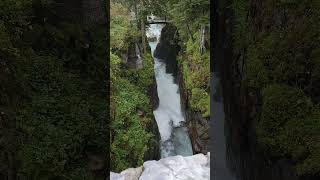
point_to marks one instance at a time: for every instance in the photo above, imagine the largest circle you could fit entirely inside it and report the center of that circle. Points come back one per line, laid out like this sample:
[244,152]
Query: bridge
[158,22]
[155,20]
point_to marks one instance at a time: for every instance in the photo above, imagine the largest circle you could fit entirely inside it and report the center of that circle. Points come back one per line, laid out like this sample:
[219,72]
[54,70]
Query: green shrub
[129,137]
[200,100]
[196,74]
[289,126]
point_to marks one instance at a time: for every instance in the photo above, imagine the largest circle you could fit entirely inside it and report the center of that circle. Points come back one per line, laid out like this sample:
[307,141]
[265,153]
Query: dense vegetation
[277,49]
[191,17]
[131,108]
[196,68]
[130,139]
[53,106]
[52,93]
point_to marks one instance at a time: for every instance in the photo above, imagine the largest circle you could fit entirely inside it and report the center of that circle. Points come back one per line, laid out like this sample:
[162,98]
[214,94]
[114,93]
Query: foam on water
[195,167]
[174,137]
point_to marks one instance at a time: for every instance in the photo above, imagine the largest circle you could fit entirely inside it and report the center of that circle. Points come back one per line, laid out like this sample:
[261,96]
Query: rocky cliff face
[196,167]
[168,49]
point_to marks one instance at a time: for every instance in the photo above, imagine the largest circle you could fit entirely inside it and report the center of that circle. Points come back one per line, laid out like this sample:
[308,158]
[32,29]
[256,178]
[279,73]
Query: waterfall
[139,64]
[170,119]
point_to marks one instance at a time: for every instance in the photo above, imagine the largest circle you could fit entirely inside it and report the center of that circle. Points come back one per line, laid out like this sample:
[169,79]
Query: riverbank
[134,132]
[175,103]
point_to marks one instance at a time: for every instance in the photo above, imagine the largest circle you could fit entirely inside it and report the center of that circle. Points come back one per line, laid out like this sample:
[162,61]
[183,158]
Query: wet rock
[199,132]
[153,94]
[154,146]
[153,152]
[133,58]
[198,126]
[167,51]
[152,39]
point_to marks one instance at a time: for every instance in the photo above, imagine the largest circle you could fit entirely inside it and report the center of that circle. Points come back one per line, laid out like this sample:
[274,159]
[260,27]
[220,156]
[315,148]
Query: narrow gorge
[182,109]
[175,144]
[169,115]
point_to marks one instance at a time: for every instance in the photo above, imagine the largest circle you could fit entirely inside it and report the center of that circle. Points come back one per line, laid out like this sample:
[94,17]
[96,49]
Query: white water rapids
[175,141]
[174,136]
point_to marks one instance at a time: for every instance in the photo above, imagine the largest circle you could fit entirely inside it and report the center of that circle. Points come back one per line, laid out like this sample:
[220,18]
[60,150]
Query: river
[169,115]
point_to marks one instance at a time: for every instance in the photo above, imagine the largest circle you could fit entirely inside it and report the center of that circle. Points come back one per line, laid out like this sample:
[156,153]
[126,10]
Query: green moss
[200,100]
[281,62]
[130,137]
[196,73]
[289,126]
[143,77]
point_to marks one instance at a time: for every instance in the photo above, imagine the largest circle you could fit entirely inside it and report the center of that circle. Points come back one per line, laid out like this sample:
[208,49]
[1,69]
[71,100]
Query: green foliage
[129,97]
[56,109]
[281,62]
[189,14]
[122,29]
[273,60]
[289,126]
[118,30]
[58,117]
[130,138]
[196,76]
[16,14]
[115,64]
[200,100]
[143,77]
[281,105]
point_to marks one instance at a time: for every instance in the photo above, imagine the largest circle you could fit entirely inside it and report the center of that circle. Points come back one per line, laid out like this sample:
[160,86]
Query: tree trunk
[202,39]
